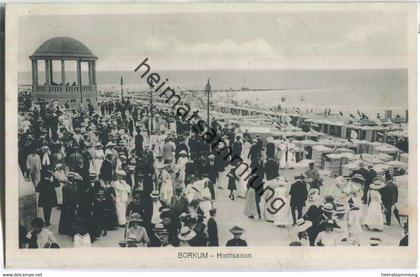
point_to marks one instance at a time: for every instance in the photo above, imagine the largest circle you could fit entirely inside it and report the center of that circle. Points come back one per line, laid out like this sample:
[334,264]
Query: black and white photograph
[214,127]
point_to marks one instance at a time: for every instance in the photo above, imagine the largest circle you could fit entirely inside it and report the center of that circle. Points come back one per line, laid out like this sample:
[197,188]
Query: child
[82,238]
[136,232]
[99,213]
[40,237]
[232,178]
[327,237]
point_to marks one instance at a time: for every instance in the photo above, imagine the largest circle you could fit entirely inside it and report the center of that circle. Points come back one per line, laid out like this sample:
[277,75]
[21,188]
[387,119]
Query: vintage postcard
[211,136]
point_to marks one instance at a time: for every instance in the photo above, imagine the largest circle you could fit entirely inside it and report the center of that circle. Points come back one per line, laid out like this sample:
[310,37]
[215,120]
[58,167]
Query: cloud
[226,47]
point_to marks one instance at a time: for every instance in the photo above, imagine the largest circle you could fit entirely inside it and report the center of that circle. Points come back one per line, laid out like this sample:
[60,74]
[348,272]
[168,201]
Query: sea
[370,91]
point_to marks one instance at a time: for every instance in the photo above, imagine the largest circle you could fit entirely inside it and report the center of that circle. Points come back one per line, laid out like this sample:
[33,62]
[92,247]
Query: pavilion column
[90,75]
[79,79]
[47,75]
[51,72]
[94,72]
[63,77]
[34,75]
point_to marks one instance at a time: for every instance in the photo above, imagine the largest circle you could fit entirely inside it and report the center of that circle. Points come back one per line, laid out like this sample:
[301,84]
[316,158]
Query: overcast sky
[229,40]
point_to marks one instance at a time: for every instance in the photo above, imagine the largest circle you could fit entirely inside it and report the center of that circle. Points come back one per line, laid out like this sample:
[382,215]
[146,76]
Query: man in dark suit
[389,198]
[236,241]
[314,175]
[106,171]
[298,195]
[138,140]
[130,179]
[213,175]
[212,229]
[179,202]
[145,166]
[271,169]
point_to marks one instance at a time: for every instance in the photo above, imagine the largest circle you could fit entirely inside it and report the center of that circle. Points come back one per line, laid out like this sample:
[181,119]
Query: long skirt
[374,218]
[283,215]
[121,208]
[166,192]
[250,203]
[59,193]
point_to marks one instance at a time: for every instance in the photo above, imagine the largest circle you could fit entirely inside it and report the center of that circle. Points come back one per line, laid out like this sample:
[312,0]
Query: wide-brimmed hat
[93,174]
[166,213]
[212,156]
[186,234]
[183,152]
[358,177]
[340,209]
[378,184]
[160,229]
[98,145]
[302,225]
[236,230]
[121,172]
[57,166]
[135,217]
[375,241]
[280,181]
[110,144]
[155,194]
[328,207]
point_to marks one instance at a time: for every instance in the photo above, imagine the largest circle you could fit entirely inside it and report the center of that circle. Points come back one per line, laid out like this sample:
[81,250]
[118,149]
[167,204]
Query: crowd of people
[156,176]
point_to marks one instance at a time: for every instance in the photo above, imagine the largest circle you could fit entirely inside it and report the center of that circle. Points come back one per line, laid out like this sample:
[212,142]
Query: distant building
[64,49]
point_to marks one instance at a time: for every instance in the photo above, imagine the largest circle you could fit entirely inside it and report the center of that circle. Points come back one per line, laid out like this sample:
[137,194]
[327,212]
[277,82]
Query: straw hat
[93,174]
[154,194]
[375,241]
[358,177]
[183,153]
[135,217]
[302,225]
[378,184]
[340,209]
[186,234]
[110,144]
[236,230]
[98,145]
[121,173]
[57,166]
[328,207]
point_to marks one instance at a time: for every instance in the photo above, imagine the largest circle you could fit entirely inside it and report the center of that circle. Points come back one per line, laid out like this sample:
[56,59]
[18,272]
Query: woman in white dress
[166,189]
[180,165]
[61,176]
[283,216]
[205,200]
[122,192]
[291,155]
[281,154]
[98,157]
[374,219]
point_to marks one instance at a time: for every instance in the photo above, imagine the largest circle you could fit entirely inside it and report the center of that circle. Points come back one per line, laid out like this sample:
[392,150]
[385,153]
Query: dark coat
[138,140]
[270,150]
[180,205]
[236,242]
[106,170]
[212,232]
[271,169]
[298,193]
[47,194]
[389,194]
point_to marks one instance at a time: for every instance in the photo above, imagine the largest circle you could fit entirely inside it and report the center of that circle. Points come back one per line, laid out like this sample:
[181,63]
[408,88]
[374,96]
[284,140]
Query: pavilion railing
[64,88]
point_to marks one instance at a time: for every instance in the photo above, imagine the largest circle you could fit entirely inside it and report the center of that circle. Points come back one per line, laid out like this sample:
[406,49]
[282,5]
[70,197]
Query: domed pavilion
[66,50]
